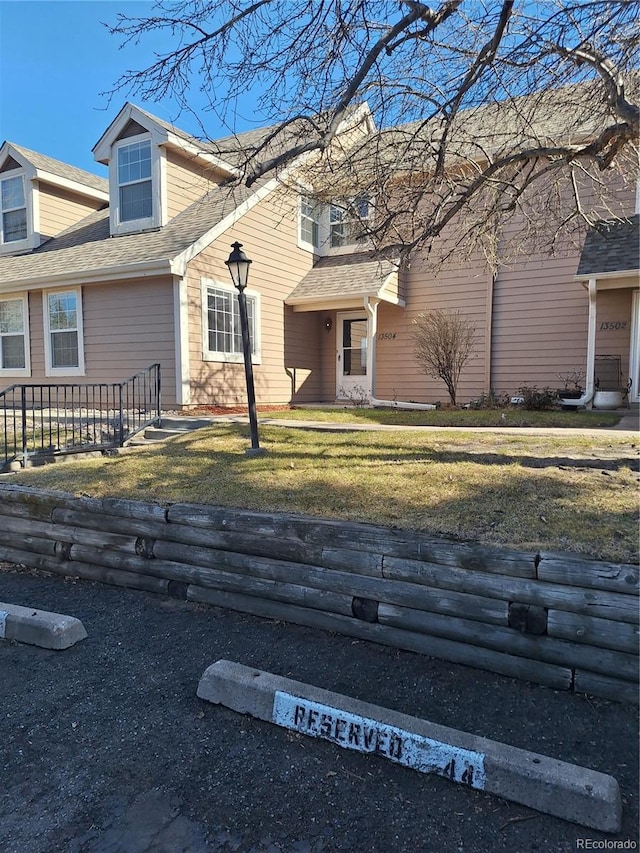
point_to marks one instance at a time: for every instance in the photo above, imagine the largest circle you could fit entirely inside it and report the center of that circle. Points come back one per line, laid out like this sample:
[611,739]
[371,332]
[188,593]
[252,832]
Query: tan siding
[268,234]
[540,323]
[59,209]
[398,375]
[187,181]
[613,327]
[127,327]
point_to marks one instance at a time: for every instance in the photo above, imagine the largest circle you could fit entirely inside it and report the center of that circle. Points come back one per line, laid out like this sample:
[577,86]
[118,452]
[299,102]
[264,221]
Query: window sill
[230,358]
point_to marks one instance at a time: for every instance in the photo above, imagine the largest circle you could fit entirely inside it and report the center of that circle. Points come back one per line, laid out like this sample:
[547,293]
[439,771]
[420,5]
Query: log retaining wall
[554,619]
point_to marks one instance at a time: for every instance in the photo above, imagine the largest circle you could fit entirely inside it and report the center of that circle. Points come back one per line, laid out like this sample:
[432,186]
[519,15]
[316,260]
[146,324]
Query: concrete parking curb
[555,787]
[39,627]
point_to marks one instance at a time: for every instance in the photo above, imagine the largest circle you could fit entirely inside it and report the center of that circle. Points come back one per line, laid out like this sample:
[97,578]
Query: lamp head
[238,264]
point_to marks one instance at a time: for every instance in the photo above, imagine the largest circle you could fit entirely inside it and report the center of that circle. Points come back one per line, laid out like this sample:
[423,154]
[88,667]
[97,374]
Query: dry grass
[552,492]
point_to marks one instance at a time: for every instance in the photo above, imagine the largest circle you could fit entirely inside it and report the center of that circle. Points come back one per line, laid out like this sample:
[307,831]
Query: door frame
[634,354]
[351,382]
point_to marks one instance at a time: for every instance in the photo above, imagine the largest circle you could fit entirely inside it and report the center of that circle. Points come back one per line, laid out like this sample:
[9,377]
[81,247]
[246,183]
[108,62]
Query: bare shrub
[443,343]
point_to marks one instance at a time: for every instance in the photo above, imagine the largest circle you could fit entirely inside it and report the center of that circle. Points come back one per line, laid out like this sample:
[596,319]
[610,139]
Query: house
[100,278]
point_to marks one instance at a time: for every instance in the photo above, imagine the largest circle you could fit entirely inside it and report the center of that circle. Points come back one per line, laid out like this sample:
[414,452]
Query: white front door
[351,375]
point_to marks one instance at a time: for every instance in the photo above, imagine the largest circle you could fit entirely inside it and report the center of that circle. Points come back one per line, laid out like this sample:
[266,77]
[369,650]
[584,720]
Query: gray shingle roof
[62,170]
[87,245]
[612,246]
[340,276]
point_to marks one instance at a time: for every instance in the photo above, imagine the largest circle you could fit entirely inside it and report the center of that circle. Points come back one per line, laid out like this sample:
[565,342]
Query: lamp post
[238,264]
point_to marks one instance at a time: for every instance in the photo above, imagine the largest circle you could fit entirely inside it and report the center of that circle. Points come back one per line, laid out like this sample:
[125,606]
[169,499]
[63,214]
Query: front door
[351,377]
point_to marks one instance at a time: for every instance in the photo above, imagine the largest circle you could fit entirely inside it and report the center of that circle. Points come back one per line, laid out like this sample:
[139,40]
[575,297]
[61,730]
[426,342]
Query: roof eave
[141,269]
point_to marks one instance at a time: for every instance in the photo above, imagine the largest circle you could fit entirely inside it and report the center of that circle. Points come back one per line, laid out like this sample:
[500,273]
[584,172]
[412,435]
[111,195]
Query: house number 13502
[610,326]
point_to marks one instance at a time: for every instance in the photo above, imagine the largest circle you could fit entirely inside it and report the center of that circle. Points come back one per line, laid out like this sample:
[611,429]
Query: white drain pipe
[587,397]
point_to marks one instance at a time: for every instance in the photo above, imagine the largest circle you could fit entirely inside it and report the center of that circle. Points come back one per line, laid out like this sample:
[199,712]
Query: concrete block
[555,787]
[39,627]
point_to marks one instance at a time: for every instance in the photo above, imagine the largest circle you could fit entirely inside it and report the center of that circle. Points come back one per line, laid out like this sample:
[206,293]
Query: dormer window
[14,210]
[134,181]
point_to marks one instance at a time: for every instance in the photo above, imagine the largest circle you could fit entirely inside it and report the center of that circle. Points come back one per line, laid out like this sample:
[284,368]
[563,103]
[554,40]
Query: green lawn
[549,491]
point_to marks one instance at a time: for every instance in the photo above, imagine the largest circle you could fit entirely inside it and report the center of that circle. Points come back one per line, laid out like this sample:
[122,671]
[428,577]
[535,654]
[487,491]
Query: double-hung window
[309,222]
[63,328]
[347,222]
[222,329]
[14,343]
[14,210]
[135,197]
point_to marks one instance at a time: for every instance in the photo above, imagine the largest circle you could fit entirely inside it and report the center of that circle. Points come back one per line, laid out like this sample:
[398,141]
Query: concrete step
[176,422]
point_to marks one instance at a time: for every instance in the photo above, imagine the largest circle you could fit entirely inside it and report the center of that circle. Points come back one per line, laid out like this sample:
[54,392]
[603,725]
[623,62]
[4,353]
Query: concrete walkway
[629,423]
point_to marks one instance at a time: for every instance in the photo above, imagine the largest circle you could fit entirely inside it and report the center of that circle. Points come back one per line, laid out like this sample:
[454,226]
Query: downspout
[372,310]
[587,397]
[181,340]
[372,334]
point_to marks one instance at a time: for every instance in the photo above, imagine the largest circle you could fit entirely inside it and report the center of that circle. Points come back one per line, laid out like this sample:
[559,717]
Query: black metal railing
[47,420]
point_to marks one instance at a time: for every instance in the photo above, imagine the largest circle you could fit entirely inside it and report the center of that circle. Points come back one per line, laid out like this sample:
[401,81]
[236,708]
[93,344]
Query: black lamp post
[238,264]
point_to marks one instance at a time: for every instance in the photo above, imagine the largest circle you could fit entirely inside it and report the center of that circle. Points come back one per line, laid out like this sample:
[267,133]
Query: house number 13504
[386,336]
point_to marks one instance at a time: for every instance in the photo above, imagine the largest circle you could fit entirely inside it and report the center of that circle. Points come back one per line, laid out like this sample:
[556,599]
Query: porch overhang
[341,282]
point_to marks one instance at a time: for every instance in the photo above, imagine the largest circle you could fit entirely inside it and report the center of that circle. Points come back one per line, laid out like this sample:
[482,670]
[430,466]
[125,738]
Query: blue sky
[56,59]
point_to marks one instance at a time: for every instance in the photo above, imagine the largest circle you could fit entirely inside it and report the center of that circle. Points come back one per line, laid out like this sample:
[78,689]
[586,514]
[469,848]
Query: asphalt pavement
[105,747]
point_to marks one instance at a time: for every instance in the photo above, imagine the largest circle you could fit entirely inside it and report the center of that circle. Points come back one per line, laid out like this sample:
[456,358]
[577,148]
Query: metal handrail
[51,420]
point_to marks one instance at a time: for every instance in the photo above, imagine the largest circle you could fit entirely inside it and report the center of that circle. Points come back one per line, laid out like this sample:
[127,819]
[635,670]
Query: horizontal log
[610,605]
[241,543]
[50,500]
[608,688]
[130,580]
[217,579]
[63,533]
[438,600]
[348,560]
[514,667]
[547,649]
[26,542]
[616,577]
[357,537]
[33,544]
[605,633]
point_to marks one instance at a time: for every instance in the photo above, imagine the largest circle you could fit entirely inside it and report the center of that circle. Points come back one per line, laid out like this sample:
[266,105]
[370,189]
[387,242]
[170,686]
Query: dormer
[155,170]
[40,197]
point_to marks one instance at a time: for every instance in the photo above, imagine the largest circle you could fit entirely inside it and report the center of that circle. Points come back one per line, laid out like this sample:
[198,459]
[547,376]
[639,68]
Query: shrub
[537,399]
[443,341]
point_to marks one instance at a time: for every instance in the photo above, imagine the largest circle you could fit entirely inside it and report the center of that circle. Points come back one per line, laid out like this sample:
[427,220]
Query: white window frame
[323,218]
[27,242]
[315,219]
[158,205]
[229,357]
[50,370]
[26,370]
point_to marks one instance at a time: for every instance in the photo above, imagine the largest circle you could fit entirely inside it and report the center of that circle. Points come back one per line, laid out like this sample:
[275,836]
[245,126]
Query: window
[63,328]
[13,336]
[14,209]
[346,222]
[333,228]
[222,330]
[309,222]
[134,181]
